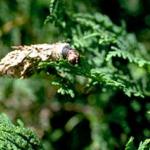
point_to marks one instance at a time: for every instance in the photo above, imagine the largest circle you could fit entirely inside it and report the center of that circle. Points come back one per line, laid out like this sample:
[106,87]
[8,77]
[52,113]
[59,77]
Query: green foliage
[16,137]
[142,146]
[106,49]
[128,56]
[129,145]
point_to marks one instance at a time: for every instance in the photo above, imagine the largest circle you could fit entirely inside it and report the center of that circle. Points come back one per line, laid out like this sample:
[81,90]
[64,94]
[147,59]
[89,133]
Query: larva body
[25,58]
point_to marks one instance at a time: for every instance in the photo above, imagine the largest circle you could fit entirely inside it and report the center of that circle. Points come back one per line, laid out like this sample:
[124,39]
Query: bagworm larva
[26,58]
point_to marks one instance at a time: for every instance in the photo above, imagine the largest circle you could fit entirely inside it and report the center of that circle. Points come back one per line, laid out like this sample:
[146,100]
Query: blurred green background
[99,121]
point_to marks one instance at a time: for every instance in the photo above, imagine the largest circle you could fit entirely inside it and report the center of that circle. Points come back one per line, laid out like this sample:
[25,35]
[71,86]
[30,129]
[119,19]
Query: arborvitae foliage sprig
[145,145]
[108,53]
[17,137]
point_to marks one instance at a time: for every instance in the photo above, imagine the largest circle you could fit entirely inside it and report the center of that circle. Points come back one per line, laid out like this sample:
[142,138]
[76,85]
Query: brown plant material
[25,59]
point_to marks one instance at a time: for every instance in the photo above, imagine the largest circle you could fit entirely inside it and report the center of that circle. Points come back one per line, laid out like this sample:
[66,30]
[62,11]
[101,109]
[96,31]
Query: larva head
[73,56]
[70,54]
